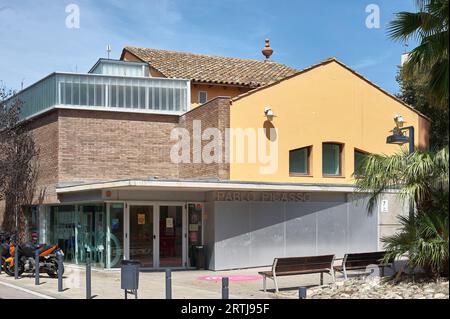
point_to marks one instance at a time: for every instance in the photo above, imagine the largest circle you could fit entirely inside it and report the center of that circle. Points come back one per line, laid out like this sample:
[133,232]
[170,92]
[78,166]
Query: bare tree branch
[18,164]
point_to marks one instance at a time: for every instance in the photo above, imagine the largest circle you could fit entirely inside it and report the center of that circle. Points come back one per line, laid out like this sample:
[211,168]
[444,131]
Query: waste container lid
[130,262]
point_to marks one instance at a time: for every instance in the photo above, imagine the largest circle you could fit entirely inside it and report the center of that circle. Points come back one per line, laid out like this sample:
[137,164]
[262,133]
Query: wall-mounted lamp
[398,137]
[399,121]
[268,112]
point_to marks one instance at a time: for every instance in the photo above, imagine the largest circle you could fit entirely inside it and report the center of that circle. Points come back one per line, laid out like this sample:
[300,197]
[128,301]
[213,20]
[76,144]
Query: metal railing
[105,92]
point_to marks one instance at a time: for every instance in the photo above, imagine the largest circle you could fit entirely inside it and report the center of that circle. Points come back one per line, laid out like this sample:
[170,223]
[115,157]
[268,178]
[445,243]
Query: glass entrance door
[171,236]
[91,234]
[141,234]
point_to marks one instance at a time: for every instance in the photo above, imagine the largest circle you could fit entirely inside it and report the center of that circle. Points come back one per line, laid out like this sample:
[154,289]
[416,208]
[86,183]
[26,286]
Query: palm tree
[417,176]
[430,58]
[424,239]
[421,178]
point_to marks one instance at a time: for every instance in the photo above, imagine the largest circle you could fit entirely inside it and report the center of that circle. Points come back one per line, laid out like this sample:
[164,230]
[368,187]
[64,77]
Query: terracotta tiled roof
[212,69]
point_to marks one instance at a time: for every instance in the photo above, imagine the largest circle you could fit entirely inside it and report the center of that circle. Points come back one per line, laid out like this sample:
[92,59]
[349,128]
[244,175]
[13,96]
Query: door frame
[156,217]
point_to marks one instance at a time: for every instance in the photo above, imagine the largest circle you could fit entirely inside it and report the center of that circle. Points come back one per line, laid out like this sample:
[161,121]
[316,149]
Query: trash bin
[129,274]
[200,256]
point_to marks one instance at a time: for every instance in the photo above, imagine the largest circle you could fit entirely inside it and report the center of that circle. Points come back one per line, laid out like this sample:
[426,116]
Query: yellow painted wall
[214,91]
[326,103]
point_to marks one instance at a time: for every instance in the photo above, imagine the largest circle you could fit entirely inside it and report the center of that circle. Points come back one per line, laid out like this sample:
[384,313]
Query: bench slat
[292,273]
[364,259]
[310,263]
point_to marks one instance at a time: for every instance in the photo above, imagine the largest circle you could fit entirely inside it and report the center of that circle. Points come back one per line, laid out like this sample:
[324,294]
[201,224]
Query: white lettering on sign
[226,196]
[384,207]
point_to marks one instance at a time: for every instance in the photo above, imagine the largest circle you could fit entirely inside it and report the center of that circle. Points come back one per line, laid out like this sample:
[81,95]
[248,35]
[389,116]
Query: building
[273,175]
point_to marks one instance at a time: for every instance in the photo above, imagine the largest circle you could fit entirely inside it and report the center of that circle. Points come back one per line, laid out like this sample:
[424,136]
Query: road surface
[8,291]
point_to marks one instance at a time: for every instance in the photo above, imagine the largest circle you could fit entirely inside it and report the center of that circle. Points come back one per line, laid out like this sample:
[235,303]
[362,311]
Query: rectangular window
[202,97]
[359,158]
[299,161]
[332,159]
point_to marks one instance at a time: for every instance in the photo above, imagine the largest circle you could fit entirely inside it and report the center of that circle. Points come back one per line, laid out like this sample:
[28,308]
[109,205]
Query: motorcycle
[4,251]
[4,248]
[48,259]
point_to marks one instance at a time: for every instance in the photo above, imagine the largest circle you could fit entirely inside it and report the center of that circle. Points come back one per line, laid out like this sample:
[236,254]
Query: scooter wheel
[10,270]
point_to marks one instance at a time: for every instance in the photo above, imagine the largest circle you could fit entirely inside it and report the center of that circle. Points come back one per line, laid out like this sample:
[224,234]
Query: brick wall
[98,146]
[44,130]
[83,146]
[215,113]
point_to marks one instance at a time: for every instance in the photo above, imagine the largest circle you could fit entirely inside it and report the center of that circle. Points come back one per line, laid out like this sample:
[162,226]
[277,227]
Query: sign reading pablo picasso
[229,196]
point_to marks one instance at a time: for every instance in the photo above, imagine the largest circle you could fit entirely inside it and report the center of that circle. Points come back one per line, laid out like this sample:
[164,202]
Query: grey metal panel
[332,230]
[301,229]
[267,232]
[363,227]
[208,233]
[250,234]
[232,233]
[80,197]
[328,197]
[139,195]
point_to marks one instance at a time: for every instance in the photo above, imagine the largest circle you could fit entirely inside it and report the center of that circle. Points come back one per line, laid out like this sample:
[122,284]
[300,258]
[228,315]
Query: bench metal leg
[345,274]
[321,278]
[333,276]
[276,284]
[264,283]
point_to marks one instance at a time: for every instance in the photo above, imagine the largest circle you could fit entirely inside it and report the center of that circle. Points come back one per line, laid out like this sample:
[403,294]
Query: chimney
[267,51]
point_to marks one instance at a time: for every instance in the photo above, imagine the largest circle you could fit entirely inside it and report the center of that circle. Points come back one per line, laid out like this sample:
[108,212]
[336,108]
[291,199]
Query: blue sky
[34,40]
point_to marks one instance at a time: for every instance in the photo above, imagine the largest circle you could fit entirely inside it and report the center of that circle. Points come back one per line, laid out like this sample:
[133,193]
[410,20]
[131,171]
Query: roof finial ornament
[267,51]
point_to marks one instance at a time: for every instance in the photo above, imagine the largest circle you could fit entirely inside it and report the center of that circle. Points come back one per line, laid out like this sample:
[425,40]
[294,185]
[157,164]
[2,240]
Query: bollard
[60,280]
[168,284]
[88,278]
[36,268]
[16,263]
[302,292]
[225,292]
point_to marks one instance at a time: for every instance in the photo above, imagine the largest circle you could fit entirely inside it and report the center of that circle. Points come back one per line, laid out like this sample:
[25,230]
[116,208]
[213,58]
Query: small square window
[202,97]
[299,161]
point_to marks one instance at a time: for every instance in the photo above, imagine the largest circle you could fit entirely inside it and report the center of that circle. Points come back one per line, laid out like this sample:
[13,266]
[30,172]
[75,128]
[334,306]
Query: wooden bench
[362,260]
[291,266]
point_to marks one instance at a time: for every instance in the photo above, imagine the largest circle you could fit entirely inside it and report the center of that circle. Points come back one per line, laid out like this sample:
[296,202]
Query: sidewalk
[185,284]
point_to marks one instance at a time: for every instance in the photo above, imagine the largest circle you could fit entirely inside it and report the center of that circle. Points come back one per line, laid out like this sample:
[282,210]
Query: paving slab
[185,284]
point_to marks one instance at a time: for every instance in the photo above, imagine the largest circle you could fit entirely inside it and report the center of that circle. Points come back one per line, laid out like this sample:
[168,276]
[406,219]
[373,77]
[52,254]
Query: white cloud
[368,62]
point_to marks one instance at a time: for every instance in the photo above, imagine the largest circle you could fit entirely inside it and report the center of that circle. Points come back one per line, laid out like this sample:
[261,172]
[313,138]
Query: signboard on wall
[384,207]
[141,219]
[230,196]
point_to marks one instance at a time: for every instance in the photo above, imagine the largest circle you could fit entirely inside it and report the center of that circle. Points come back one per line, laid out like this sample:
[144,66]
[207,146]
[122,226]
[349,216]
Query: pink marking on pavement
[231,278]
